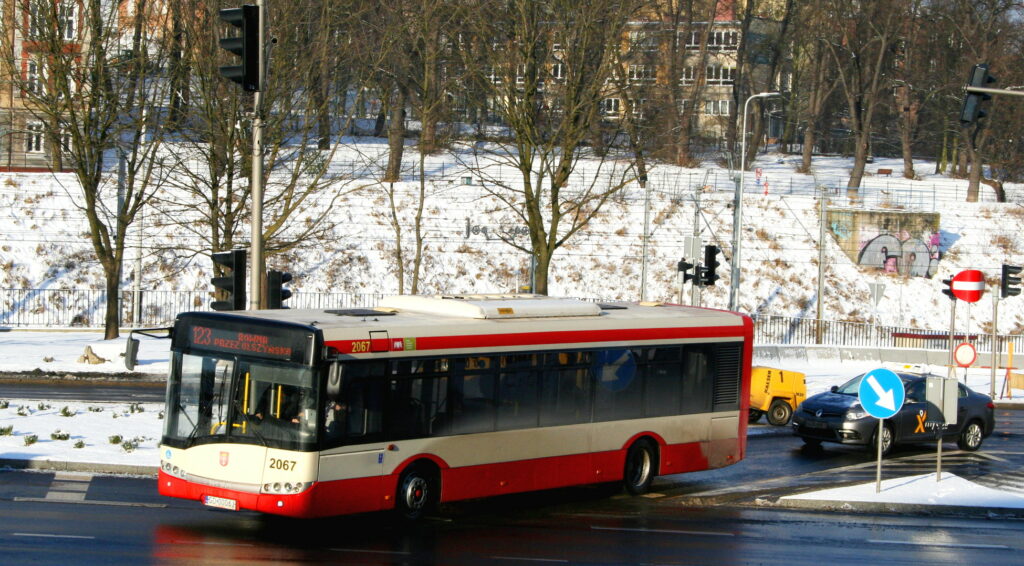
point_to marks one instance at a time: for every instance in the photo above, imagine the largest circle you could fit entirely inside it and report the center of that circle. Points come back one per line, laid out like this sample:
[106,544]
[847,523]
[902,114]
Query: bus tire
[641,467]
[418,492]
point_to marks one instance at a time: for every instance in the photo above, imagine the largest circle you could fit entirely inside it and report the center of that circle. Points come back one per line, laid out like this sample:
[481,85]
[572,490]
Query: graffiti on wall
[909,244]
[912,257]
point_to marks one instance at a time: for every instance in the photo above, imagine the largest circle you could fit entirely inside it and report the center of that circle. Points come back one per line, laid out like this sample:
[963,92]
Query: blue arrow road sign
[881,393]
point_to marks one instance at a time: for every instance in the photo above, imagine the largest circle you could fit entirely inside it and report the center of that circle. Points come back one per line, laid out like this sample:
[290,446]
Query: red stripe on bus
[552,338]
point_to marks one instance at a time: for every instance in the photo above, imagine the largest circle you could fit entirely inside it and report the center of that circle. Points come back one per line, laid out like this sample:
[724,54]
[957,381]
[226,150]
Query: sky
[93,424]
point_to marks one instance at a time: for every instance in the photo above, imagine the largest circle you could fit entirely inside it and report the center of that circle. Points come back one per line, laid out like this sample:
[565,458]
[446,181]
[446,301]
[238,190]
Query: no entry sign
[968,285]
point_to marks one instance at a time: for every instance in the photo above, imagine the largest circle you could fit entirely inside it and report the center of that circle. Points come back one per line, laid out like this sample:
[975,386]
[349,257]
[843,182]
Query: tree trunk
[396,138]
[112,313]
[805,163]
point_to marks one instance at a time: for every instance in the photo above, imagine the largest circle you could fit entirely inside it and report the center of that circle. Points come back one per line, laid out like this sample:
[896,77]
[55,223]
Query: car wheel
[779,413]
[641,464]
[971,436]
[887,440]
[753,416]
[417,493]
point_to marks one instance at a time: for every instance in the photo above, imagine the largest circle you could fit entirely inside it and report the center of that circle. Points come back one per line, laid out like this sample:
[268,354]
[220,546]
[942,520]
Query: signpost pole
[878,471]
[952,323]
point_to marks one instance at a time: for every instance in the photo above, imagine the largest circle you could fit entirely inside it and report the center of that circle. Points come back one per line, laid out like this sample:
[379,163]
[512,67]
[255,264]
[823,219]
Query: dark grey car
[837,416]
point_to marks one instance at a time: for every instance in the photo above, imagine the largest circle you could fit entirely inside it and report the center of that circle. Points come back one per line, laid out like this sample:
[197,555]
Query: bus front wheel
[641,466]
[417,492]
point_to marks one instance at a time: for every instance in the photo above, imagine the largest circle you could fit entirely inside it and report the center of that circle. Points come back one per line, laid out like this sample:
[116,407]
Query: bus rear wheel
[641,463]
[417,492]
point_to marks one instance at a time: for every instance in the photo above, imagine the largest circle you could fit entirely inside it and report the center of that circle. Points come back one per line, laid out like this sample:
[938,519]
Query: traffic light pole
[256,182]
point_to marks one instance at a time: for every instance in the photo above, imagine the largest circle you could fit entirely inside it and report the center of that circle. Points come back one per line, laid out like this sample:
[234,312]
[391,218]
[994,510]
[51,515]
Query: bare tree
[862,35]
[549,115]
[92,77]
[212,149]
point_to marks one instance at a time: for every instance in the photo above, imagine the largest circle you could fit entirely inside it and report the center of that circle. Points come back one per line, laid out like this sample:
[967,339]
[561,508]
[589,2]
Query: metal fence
[769,329]
[84,308]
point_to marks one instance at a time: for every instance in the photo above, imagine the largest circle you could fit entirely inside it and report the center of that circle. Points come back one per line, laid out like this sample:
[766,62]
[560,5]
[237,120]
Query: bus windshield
[213,399]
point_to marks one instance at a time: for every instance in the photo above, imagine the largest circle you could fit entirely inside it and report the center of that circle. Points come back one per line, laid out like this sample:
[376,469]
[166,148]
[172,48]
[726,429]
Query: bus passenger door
[352,459]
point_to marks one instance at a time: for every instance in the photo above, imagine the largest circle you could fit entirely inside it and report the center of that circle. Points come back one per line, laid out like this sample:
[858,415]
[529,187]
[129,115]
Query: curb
[898,508]
[87,467]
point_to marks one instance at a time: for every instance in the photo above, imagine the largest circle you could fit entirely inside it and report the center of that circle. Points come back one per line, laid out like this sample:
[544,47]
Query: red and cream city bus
[310,413]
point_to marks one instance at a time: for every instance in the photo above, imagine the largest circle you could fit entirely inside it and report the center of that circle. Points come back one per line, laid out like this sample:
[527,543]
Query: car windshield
[852,387]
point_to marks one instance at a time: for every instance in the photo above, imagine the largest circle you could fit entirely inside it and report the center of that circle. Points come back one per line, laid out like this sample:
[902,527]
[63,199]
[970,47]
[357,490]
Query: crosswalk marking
[68,487]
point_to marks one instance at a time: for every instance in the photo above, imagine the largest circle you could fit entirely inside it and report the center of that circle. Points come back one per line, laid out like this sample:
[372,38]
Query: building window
[688,75]
[558,71]
[642,72]
[727,40]
[643,41]
[34,138]
[65,141]
[638,107]
[68,21]
[717,107]
[721,75]
[611,106]
[689,39]
[34,83]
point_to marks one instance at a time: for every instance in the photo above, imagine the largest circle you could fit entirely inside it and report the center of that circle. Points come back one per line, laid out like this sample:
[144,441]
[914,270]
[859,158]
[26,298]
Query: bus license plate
[220,502]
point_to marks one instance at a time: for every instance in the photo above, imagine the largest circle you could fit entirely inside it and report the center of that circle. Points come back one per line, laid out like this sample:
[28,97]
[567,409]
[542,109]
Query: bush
[68,412]
[116,439]
[60,435]
[4,403]
[80,444]
[31,439]
[6,430]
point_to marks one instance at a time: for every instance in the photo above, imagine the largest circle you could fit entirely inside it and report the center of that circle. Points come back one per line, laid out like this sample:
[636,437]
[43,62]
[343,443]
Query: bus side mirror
[334,376]
[131,353]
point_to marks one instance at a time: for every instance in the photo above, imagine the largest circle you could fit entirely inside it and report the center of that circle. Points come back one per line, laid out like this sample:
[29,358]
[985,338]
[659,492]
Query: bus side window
[565,389]
[663,381]
[697,377]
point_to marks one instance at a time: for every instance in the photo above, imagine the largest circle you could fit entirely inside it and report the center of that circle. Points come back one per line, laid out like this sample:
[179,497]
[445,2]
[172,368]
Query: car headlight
[856,413]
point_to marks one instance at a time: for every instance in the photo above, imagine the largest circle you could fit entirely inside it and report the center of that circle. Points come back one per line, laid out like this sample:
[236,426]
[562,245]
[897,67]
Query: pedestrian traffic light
[232,285]
[708,271]
[685,267]
[971,110]
[276,294]
[246,45]
[1008,284]
[948,290]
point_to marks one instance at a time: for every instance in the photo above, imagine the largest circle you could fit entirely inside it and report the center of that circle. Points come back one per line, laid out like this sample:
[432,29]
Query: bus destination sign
[287,344]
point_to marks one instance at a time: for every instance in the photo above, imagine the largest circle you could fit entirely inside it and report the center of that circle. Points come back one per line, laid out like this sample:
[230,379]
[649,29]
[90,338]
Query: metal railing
[84,308]
[784,330]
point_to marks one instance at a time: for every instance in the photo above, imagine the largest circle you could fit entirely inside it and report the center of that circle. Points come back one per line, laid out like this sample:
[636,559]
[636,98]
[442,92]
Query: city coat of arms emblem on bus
[224,458]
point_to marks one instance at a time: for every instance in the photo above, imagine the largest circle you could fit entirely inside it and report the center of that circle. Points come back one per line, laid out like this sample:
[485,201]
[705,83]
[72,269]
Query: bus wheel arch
[641,465]
[419,489]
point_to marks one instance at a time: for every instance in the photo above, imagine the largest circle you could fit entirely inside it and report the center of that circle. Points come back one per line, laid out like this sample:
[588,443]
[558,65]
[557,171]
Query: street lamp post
[737,219]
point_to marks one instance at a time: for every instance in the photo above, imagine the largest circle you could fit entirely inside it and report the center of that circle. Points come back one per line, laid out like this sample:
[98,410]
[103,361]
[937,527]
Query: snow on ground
[920,490]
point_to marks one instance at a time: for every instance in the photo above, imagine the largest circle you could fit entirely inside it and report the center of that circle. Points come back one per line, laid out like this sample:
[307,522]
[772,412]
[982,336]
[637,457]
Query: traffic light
[708,274]
[1008,285]
[232,285]
[948,290]
[971,110]
[276,295]
[685,267]
[246,45]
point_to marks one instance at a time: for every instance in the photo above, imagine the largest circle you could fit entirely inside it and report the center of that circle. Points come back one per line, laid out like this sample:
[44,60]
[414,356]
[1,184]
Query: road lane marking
[663,531]
[45,535]
[943,544]
[90,502]
[524,559]
[370,551]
